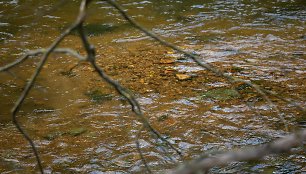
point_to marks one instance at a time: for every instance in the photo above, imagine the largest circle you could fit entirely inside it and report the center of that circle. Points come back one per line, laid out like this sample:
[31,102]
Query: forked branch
[38,52]
[32,80]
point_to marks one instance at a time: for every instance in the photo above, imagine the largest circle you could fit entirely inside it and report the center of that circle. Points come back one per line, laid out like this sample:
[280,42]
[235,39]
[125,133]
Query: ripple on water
[186,68]
[185,146]
[145,100]
[186,102]
[63,159]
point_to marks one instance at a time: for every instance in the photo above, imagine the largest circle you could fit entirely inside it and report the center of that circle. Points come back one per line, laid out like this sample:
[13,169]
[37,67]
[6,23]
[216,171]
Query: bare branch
[39,52]
[18,61]
[120,89]
[70,52]
[278,146]
[29,85]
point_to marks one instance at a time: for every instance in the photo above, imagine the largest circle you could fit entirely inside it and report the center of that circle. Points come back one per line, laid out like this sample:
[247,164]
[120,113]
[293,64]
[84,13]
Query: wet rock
[166,119]
[236,69]
[98,96]
[243,86]
[162,118]
[183,76]
[77,131]
[221,94]
[53,135]
[170,52]
[72,132]
[169,71]
[68,73]
[167,61]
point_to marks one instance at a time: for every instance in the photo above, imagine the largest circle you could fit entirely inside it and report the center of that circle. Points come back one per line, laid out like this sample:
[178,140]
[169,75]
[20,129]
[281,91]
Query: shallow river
[81,125]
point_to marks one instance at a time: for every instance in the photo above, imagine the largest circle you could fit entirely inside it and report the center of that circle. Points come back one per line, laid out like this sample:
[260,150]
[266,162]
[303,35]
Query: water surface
[79,123]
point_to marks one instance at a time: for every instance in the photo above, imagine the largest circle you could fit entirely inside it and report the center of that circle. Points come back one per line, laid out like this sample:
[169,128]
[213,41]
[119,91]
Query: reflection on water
[81,133]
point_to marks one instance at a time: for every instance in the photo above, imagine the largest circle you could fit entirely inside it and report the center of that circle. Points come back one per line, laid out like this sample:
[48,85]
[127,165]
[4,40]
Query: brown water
[80,125]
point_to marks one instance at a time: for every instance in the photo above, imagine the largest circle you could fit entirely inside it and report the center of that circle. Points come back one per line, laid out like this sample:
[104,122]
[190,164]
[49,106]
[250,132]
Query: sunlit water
[77,133]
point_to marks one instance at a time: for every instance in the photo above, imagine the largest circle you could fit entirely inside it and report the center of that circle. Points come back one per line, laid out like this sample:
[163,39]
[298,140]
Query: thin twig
[278,146]
[38,52]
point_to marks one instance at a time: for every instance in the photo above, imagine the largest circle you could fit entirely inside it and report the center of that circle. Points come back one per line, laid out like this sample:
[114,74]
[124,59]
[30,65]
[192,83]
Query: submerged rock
[221,94]
[98,96]
[53,135]
[72,132]
[167,61]
[163,118]
[183,76]
[77,131]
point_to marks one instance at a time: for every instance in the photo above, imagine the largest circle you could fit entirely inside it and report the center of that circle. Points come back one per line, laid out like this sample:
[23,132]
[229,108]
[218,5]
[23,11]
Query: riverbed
[81,125]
